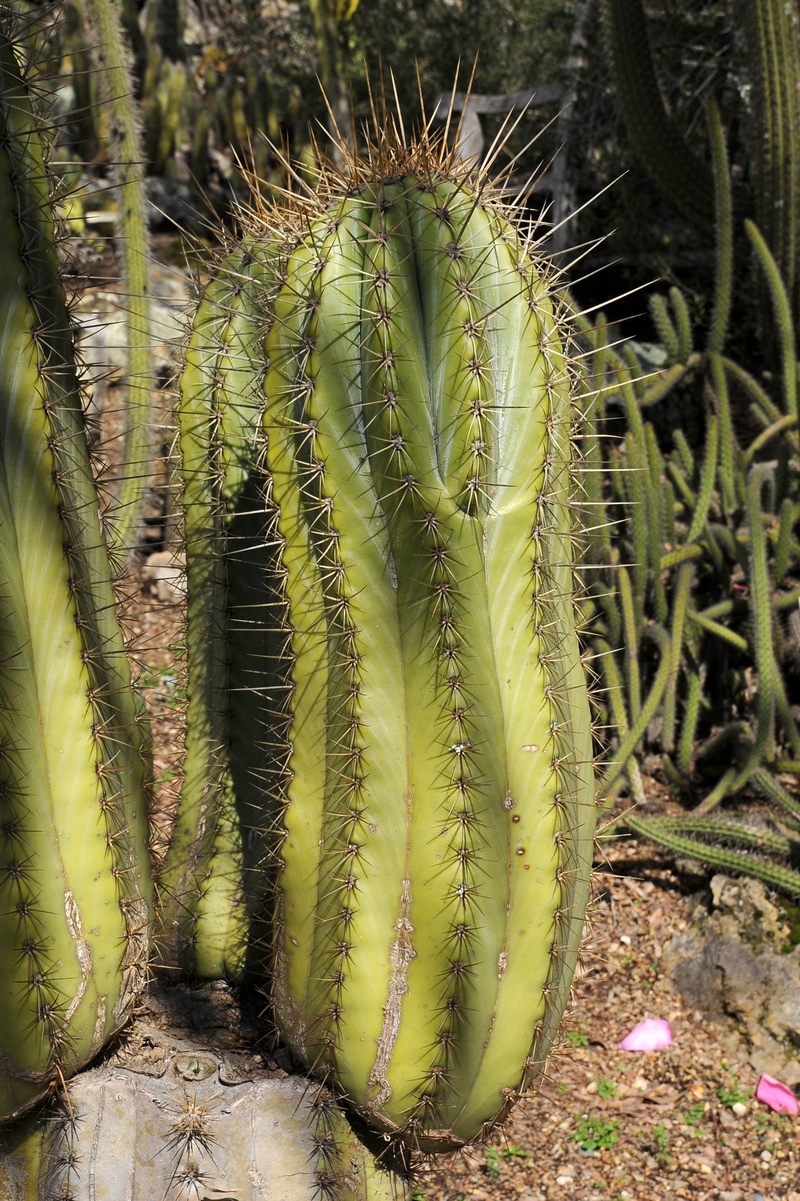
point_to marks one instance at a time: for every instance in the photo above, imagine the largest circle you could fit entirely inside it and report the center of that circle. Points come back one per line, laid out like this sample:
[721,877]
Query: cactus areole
[439,793]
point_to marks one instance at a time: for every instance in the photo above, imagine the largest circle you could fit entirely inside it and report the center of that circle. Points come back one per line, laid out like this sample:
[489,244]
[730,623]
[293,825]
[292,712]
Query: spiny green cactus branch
[418,422]
[125,153]
[772,35]
[74,876]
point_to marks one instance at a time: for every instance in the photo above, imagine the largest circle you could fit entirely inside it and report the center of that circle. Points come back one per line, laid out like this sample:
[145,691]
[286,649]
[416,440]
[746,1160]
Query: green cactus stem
[684,178]
[125,154]
[439,795]
[209,885]
[772,39]
[74,875]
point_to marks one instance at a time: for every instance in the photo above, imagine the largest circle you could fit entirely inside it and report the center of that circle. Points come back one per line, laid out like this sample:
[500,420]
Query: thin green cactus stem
[723,207]
[684,179]
[773,54]
[782,878]
[691,717]
[707,480]
[782,311]
[631,630]
[648,711]
[771,788]
[665,328]
[730,483]
[116,91]
[719,631]
[616,695]
[721,829]
[761,623]
[680,602]
[683,324]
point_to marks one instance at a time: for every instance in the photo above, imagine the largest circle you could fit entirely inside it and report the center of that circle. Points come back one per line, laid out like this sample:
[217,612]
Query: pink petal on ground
[649,1035]
[778,1096]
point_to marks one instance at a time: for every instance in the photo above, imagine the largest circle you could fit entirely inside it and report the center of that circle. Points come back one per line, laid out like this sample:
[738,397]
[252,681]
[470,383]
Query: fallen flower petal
[649,1035]
[778,1096]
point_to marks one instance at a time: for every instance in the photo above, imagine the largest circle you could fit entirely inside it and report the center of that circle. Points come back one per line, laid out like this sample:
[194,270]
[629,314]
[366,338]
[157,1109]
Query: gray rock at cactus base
[731,965]
[101,316]
[176,1115]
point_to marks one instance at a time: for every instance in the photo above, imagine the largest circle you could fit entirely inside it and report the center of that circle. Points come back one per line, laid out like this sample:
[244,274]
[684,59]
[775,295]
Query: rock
[101,315]
[730,966]
[165,574]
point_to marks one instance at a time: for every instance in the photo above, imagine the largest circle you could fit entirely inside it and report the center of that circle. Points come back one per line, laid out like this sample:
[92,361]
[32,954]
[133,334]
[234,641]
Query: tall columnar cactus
[439,796]
[74,887]
[209,882]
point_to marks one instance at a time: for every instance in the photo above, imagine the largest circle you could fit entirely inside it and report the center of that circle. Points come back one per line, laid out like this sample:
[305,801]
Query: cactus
[683,177]
[116,93]
[773,54]
[201,1128]
[439,780]
[331,18]
[715,560]
[74,883]
[209,885]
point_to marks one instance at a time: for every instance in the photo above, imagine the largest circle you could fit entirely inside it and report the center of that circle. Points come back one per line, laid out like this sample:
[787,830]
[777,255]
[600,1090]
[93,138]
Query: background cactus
[696,557]
[679,172]
[439,785]
[74,874]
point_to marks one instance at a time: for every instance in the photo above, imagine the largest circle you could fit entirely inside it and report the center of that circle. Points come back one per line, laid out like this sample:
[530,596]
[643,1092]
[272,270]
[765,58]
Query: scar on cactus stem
[438,803]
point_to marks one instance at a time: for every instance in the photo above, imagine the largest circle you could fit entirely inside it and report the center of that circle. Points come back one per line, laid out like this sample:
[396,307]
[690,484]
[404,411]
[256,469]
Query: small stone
[165,573]
[766,1156]
[740,1109]
[625,939]
[591,1087]
[731,1194]
[567,1170]
[195,1067]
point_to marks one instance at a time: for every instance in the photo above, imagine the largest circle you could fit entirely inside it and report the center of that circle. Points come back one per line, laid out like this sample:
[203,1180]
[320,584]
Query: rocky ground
[612,1125]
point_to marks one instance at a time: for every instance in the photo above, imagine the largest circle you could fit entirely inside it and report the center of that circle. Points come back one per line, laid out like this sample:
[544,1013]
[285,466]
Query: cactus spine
[439,792]
[74,887]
